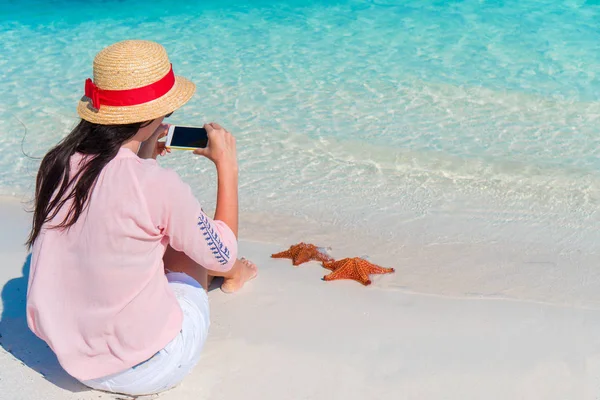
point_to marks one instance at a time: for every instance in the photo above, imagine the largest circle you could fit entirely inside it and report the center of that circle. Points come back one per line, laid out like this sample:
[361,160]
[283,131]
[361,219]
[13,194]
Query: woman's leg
[233,280]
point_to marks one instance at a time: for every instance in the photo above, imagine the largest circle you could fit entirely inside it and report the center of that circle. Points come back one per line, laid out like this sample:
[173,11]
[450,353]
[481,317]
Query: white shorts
[169,366]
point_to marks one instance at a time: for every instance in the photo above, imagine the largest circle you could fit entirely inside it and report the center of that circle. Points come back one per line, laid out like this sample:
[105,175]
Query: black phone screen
[189,137]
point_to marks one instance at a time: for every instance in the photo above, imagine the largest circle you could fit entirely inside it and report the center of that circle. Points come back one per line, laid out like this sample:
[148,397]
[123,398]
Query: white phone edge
[170,135]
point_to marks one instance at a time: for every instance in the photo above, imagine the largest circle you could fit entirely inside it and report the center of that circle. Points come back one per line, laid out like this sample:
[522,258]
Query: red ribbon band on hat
[129,97]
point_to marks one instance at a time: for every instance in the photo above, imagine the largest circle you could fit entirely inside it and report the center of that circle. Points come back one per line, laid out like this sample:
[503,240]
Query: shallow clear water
[477,119]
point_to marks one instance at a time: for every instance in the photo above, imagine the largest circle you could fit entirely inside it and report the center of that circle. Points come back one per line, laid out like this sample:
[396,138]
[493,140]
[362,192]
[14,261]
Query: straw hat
[133,82]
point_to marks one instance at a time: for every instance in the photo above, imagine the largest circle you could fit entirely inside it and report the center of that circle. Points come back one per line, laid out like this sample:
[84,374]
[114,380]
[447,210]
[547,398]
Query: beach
[456,142]
[290,335]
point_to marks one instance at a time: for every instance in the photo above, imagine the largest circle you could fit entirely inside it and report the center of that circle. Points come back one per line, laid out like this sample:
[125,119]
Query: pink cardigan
[97,292]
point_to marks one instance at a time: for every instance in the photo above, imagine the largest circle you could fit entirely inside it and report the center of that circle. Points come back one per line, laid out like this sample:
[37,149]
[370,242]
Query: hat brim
[181,92]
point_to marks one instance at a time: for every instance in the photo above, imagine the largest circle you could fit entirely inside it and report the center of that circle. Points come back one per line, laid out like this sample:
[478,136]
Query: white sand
[289,335]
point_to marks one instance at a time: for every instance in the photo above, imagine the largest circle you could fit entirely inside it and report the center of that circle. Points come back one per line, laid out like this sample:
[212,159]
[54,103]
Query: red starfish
[355,268]
[303,252]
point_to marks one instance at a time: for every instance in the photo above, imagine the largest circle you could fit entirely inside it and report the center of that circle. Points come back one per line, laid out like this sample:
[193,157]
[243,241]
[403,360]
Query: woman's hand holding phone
[221,147]
[152,148]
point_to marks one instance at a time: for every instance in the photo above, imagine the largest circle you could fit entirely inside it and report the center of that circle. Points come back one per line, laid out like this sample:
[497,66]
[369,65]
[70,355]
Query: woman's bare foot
[245,271]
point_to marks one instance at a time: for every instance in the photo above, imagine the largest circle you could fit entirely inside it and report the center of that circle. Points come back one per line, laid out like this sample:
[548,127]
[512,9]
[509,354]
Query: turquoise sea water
[477,118]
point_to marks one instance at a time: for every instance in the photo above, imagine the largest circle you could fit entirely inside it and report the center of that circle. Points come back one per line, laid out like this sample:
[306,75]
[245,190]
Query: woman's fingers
[209,128]
[221,144]
[161,131]
[162,149]
[201,152]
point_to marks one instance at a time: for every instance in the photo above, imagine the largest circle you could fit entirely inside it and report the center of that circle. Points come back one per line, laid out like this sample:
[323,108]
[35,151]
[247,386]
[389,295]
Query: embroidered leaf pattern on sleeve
[216,246]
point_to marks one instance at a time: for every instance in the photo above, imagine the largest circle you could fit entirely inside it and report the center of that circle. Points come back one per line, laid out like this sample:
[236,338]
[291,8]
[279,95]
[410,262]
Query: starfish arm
[363,275]
[330,265]
[380,270]
[283,254]
[329,277]
[340,272]
[302,257]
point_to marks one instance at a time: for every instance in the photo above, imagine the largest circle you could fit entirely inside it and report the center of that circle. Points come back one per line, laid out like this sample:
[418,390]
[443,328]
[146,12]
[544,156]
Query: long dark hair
[54,185]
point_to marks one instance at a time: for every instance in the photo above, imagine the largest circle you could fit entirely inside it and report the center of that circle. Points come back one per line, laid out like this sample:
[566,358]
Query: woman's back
[111,305]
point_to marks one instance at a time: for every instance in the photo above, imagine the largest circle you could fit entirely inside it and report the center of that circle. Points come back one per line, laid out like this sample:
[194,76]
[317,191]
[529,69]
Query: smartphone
[186,138]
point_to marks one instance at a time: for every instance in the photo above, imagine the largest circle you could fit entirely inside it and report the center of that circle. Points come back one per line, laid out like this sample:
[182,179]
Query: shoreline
[526,272]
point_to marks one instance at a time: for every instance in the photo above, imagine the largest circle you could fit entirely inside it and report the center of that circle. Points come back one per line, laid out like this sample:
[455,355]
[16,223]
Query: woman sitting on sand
[122,253]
